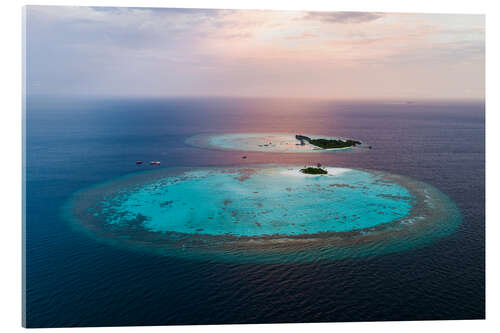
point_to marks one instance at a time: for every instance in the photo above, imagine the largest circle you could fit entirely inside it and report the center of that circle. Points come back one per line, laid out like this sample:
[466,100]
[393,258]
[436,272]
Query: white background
[10,152]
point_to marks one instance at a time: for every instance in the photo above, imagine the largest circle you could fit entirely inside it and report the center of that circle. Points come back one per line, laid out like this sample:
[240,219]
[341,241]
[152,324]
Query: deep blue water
[75,280]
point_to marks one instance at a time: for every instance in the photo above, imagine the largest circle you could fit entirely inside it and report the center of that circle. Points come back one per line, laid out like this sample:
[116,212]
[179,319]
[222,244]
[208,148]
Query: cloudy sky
[185,52]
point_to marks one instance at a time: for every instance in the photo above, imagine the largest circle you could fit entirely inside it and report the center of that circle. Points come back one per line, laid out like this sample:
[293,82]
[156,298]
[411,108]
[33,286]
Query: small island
[314,170]
[275,142]
[327,143]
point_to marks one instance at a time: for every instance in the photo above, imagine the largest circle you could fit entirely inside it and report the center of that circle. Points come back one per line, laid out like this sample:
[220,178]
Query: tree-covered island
[327,143]
[314,171]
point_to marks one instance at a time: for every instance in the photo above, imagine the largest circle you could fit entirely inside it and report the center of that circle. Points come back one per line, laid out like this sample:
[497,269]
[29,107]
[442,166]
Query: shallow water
[262,201]
[73,278]
[264,213]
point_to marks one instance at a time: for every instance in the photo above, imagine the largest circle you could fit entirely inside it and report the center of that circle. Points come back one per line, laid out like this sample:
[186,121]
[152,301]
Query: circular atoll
[264,213]
[273,142]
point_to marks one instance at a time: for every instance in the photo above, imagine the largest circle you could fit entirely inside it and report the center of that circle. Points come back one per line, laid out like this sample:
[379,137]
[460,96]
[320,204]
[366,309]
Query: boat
[138,162]
[154,163]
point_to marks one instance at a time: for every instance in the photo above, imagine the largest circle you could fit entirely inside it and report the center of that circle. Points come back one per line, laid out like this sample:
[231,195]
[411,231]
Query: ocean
[73,279]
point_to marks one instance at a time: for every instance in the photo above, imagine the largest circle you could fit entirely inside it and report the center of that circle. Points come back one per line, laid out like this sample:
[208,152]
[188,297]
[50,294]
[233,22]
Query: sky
[116,51]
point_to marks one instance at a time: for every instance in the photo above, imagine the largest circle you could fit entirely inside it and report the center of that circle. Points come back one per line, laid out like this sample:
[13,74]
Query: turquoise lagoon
[260,142]
[265,213]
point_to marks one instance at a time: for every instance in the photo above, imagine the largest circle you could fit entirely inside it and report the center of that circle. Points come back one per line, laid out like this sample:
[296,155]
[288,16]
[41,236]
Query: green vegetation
[328,144]
[314,171]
